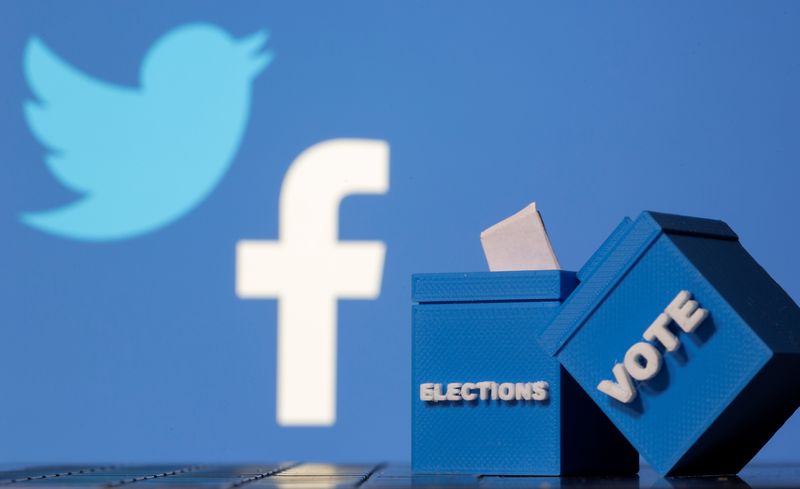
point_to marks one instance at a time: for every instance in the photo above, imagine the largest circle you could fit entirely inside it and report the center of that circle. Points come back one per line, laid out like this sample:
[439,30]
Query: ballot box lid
[620,252]
[528,285]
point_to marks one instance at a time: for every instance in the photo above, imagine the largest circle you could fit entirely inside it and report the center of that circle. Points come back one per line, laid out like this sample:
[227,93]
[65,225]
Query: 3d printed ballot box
[684,341]
[486,398]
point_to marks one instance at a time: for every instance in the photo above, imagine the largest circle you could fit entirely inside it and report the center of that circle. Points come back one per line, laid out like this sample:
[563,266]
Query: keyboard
[325,476]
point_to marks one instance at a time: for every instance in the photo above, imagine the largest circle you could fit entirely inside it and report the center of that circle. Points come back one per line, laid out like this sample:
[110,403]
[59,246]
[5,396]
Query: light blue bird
[141,157]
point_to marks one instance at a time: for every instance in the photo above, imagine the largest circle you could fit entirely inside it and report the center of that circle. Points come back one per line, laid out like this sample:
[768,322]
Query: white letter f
[308,269]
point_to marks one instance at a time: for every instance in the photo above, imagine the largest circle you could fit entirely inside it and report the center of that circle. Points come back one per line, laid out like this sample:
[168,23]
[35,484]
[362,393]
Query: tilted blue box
[471,330]
[698,346]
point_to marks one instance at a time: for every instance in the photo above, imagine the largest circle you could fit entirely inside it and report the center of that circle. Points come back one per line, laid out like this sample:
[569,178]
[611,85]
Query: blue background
[140,350]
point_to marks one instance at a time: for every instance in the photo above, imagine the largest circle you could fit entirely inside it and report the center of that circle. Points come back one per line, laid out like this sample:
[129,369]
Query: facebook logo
[308,269]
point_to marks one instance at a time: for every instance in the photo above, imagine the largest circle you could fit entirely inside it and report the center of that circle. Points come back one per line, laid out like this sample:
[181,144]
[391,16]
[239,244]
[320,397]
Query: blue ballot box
[486,398]
[684,341]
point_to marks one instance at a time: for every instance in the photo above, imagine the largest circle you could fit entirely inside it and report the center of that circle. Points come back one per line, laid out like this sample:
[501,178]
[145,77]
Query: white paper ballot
[519,242]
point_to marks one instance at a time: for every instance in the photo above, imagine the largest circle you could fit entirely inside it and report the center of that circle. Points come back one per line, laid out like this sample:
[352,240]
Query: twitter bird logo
[141,157]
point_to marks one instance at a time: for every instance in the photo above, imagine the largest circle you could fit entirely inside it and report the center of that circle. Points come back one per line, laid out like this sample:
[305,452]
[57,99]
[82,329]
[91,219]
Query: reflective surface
[315,475]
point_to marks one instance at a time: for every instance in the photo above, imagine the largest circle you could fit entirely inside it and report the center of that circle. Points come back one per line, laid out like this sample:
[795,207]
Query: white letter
[426,392]
[540,391]
[523,391]
[437,393]
[494,391]
[466,392]
[308,269]
[659,330]
[687,313]
[506,391]
[454,391]
[652,361]
[623,389]
[484,387]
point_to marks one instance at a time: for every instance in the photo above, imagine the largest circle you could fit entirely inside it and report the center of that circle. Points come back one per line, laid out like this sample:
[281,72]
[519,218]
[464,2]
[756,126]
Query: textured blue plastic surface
[733,382]
[484,327]
[483,286]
